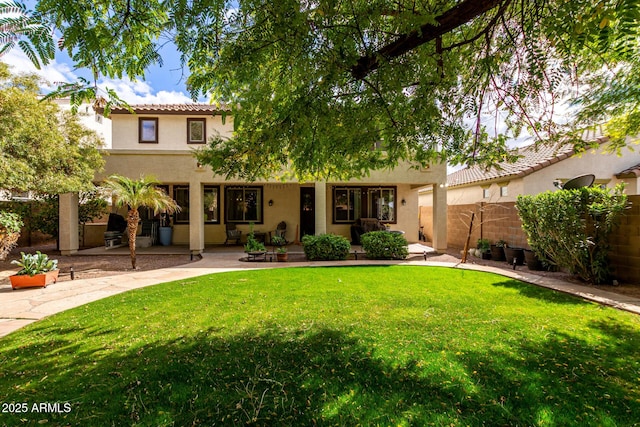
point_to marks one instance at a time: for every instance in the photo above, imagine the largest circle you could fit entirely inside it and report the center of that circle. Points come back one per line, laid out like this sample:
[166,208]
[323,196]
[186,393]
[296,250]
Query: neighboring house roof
[196,109]
[533,158]
[632,172]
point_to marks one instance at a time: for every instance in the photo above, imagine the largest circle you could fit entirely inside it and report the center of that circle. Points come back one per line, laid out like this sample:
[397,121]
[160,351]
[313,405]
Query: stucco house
[537,170]
[158,140]
[492,193]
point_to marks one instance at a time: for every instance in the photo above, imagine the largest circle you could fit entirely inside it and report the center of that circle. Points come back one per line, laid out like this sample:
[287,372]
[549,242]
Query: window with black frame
[211,204]
[351,203]
[243,204]
[346,204]
[381,204]
[181,196]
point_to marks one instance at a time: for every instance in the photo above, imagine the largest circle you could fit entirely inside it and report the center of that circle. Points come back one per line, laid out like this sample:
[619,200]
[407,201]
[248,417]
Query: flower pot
[35,281]
[282,257]
[497,253]
[514,253]
[486,255]
[164,235]
[533,263]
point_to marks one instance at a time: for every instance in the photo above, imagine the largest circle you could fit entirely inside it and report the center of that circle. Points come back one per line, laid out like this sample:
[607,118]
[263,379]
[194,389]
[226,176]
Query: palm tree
[135,194]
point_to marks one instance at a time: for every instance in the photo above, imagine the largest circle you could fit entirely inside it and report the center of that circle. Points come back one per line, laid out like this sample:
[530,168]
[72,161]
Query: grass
[330,346]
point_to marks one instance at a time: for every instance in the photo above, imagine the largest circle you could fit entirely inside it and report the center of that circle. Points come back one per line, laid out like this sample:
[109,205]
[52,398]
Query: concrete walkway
[23,306]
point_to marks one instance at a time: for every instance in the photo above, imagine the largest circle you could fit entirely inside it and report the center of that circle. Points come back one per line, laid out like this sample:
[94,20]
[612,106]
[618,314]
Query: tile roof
[172,109]
[533,158]
[632,172]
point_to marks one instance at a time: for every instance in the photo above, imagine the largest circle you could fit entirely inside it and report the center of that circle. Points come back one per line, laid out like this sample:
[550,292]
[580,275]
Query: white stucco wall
[172,131]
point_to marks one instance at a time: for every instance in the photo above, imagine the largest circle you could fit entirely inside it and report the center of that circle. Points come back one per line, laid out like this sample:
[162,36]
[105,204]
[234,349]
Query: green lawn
[331,346]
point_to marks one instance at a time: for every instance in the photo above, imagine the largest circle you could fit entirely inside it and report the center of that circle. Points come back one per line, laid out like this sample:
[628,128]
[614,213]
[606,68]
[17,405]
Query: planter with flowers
[36,270]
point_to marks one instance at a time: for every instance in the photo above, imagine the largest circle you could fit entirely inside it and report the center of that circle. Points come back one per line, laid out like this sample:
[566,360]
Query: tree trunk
[133,218]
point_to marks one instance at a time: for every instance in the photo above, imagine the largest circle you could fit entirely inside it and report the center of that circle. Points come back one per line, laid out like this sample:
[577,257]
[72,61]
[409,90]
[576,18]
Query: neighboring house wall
[496,216]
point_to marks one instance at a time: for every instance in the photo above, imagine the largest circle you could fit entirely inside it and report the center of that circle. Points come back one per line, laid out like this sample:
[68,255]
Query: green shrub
[570,228]
[384,245]
[325,247]
[10,226]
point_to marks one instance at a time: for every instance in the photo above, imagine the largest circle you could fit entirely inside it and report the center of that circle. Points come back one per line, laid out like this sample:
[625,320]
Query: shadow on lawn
[321,376]
[532,291]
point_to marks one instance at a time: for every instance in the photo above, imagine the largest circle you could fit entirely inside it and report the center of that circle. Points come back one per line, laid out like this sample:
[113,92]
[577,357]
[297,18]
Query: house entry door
[307,211]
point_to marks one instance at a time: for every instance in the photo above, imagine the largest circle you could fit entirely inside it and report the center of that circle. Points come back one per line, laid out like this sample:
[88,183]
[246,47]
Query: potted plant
[281,254]
[515,256]
[497,250]
[278,241]
[253,246]
[532,260]
[36,270]
[485,248]
[165,231]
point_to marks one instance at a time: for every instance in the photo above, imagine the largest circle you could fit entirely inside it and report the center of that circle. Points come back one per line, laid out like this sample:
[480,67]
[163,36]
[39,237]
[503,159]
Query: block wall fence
[500,221]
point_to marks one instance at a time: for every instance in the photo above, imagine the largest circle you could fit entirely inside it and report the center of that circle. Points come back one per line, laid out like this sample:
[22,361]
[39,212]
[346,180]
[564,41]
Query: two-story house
[158,140]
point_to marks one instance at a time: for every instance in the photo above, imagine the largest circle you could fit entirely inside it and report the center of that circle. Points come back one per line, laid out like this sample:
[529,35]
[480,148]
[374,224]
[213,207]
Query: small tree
[10,225]
[570,228]
[135,194]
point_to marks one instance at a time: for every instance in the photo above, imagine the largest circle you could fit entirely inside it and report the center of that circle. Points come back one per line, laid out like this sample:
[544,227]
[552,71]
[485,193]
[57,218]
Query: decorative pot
[282,257]
[164,235]
[533,263]
[516,254]
[497,253]
[486,255]
[35,281]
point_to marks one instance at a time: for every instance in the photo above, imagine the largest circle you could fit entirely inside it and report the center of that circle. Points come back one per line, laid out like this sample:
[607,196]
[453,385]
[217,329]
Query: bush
[384,245]
[325,247]
[570,228]
[10,226]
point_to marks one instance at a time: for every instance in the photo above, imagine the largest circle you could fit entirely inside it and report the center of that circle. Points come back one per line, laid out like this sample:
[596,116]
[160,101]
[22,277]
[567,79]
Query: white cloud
[52,73]
[140,92]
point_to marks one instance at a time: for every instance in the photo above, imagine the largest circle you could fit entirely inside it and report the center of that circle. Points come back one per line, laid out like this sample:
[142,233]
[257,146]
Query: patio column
[196,218]
[68,223]
[321,207]
[439,218]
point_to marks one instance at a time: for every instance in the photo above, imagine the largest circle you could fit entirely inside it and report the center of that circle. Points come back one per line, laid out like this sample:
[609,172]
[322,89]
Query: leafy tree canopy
[42,149]
[315,85]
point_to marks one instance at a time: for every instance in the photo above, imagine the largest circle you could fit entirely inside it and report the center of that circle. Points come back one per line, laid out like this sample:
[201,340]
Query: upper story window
[196,131]
[148,130]
[486,193]
[504,191]
[243,204]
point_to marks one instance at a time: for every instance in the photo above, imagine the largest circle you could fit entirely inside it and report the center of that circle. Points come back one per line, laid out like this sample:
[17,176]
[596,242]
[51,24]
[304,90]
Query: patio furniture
[233,233]
[281,231]
[116,227]
[364,225]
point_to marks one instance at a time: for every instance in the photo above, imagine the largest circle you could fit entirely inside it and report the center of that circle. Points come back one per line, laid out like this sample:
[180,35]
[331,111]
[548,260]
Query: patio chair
[233,234]
[281,231]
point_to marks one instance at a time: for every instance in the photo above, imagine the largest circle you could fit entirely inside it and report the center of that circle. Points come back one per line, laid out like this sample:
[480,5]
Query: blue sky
[162,85]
